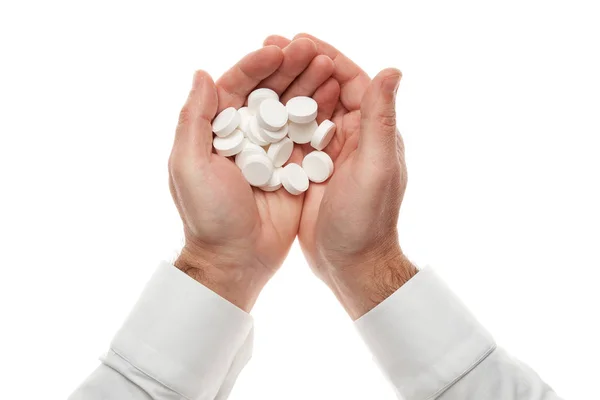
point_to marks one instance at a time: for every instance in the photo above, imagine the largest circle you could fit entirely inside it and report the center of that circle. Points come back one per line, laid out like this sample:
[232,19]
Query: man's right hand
[238,236]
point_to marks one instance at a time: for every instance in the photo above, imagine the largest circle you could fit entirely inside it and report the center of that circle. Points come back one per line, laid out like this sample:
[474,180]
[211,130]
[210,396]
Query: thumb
[378,117]
[194,131]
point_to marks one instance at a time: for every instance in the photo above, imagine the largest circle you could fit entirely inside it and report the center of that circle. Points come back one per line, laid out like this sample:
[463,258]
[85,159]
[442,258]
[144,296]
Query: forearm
[181,340]
[500,376]
[107,383]
[430,346]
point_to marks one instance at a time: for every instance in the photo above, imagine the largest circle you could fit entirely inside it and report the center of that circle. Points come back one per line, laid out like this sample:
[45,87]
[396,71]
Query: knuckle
[175,167]
[400,143]
[385,174]
[387,120]
[185,116]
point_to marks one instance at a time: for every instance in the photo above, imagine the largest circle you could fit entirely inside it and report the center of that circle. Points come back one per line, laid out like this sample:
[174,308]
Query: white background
[499,107]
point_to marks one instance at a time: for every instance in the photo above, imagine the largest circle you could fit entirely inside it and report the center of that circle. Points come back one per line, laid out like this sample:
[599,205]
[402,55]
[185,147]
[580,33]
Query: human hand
[237,236]
[348,230]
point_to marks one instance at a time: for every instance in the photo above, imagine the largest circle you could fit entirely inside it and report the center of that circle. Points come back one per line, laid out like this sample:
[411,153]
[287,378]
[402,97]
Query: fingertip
[305,46]
[378,117]
[303,35]
[276,40]
[389,74]
[272,52]
[203,97]
[268,58]
[320,46]
[382,87]
[325,63]
[327,96]
[199,77]
[270,40]
[203,88]
[390,81]
[194,131]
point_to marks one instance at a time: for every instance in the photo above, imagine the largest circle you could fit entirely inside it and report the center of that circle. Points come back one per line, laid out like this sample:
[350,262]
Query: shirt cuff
[181,335]
[423,337]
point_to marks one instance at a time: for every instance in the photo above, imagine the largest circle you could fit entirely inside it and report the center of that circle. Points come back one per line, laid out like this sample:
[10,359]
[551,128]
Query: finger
[194,131]
[235,85]
[328,93]
[377,141]
[276,40]
[296,58]
[319,70]
[353,80]
[310,210]
[327,96]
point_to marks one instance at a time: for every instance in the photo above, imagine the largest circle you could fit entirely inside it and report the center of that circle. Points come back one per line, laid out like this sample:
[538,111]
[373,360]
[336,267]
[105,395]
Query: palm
[328,205]
[267,221]
[341,150]
[221,207]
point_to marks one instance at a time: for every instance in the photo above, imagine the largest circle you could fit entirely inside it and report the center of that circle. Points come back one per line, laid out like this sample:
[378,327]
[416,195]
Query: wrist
[236,278]
[362,283]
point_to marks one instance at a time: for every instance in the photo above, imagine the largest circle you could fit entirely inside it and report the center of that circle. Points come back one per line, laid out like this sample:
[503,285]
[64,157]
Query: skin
[237,236]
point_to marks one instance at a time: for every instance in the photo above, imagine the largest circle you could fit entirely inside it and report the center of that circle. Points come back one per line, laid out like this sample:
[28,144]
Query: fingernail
[391,84]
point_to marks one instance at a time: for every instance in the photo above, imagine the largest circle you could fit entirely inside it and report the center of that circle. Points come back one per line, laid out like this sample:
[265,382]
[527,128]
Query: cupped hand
[237,236]
[348,228]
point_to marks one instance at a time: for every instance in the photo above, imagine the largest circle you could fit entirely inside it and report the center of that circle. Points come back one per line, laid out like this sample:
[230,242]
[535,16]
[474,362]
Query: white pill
[294,179]
[272,115]
[274,136]
[258,96]
[323,135]
[254,133]
[257,169]
[226,122]
[302,133]
[274,183]
[281,151]
[249,148]
[302,109]
[245,118]
[318,166]
[229,145]
[248,145]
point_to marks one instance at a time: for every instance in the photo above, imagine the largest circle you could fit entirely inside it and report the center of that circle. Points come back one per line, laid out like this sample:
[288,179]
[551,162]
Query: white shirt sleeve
[430,347]
[180,341]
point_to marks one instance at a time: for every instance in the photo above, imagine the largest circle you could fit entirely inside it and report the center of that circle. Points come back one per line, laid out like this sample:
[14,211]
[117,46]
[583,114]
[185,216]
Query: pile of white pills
[261,136]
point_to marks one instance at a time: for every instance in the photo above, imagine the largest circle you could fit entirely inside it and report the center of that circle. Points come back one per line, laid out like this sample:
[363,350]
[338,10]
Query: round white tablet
[302,109]
[302,133]
[255,134]
[272,115]
[294,179]
[249,148]
[323,135]
[274,183]
[226,122]
[281,151]
[248,145]
[245,118]
[318,166]
[274,136]
[258,96]
[257,169]
[229,145]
